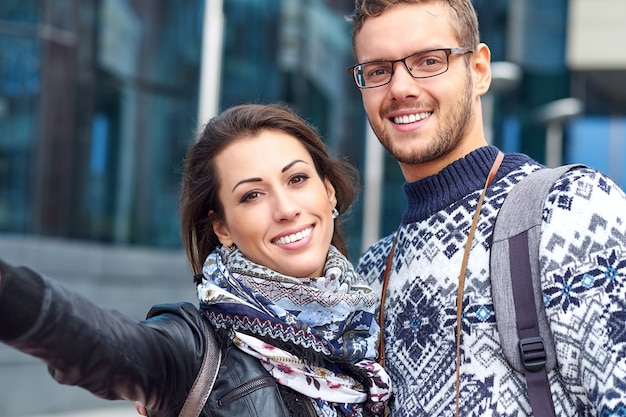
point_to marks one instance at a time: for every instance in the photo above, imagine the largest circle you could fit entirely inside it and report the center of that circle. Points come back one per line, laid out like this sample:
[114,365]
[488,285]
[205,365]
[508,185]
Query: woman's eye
[249,196]
[298,178]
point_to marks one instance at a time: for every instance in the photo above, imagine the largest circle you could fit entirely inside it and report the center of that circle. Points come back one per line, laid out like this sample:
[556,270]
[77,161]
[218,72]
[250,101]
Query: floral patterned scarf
[317,336]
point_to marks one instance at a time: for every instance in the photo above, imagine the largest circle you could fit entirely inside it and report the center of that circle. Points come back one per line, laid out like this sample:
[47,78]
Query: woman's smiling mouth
[294,237]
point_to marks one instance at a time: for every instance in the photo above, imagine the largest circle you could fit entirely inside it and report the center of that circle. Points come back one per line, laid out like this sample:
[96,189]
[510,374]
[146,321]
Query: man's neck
[416,172]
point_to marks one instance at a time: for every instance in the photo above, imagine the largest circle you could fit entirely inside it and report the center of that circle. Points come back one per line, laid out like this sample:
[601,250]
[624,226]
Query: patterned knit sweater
[583,267]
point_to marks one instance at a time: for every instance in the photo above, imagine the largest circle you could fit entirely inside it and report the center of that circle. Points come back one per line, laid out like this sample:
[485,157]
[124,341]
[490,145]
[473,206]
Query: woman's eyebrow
[292,163]
[254,179]
[257,179]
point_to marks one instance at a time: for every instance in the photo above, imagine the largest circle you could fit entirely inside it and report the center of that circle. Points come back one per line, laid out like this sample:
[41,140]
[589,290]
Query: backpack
[521,320]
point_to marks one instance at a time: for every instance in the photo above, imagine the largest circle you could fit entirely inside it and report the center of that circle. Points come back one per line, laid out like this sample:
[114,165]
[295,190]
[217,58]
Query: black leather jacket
[154,361]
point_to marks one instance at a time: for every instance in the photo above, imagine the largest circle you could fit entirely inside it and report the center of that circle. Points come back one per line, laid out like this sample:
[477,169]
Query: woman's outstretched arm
[153,361]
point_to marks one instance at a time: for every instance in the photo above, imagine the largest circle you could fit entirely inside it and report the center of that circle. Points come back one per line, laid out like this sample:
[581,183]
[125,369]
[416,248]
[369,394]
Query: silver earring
[335,213]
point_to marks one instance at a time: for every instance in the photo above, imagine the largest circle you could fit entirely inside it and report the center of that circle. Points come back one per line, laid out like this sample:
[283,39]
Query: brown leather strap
[468,245]
[461,288]
[381,312]
[203,385]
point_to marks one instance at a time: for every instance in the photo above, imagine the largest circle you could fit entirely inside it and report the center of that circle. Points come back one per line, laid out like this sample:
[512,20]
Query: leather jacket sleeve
[154,361]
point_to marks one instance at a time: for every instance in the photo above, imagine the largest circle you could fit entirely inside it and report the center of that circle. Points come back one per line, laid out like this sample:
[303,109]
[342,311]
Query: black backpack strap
[523,327]
[532,346]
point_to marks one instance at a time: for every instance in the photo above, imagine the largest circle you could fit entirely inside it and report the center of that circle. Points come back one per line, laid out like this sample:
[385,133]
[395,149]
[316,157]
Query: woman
[259,206]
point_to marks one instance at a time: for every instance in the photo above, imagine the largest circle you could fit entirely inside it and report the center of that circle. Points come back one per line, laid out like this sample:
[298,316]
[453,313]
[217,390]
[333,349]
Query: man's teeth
[411,118]
[294,237]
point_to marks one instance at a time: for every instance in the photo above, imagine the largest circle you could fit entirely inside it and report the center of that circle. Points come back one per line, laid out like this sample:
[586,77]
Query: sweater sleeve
[372,263]
[583,265]
[153,361]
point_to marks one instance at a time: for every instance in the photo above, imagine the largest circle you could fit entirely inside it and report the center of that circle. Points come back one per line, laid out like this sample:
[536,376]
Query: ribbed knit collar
[462,177]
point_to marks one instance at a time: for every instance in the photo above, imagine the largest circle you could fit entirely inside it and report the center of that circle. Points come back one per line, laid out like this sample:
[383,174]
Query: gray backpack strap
[203,385]
[523,327]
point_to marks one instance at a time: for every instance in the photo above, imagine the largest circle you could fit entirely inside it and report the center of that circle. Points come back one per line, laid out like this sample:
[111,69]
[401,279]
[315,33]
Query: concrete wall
[594,35]
[129,280]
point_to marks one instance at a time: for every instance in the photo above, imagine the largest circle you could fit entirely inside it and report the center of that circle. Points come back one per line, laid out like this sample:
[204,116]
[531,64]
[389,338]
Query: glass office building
[99,101]
[571,84]
[100,98]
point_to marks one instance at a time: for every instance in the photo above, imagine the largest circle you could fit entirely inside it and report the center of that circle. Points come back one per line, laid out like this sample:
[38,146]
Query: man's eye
[377,72]
[431,61]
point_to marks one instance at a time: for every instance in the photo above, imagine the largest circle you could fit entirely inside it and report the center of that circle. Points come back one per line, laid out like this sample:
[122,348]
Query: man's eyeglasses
[423,64]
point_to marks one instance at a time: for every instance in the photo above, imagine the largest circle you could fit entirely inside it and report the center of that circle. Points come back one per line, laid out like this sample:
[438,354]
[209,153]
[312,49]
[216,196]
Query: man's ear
[221,231]
[481,69]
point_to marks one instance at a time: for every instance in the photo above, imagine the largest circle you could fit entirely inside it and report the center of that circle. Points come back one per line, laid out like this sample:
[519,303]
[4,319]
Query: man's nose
[402,83]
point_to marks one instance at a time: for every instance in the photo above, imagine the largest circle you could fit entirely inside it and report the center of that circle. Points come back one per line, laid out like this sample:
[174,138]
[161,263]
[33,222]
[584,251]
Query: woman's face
[277,209]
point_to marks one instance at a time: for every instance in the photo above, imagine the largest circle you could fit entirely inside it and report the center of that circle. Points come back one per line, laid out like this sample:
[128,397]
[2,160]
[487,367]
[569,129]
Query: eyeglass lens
[420,65]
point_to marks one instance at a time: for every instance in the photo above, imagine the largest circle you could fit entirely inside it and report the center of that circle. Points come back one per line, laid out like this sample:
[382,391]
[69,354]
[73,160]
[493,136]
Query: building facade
[99,100]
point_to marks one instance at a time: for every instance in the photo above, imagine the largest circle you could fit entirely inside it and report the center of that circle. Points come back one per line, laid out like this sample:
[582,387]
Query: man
[422,72]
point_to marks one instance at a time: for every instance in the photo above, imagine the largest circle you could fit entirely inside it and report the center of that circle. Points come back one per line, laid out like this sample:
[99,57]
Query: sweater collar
[462,177]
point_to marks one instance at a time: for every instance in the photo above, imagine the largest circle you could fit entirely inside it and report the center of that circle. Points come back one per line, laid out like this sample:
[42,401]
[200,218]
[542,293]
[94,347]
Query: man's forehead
[403,30]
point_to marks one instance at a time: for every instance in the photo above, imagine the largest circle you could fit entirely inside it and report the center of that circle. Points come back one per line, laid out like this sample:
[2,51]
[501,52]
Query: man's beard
[448,136]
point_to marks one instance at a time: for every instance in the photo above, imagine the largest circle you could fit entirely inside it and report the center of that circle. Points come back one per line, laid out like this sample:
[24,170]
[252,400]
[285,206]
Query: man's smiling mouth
[411,118]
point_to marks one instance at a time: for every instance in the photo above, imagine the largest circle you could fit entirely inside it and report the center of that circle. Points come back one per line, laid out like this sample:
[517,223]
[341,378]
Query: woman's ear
[221,231]
[330,190]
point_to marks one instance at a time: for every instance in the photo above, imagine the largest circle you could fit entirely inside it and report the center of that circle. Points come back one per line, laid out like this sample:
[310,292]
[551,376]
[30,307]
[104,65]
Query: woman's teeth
[293,237]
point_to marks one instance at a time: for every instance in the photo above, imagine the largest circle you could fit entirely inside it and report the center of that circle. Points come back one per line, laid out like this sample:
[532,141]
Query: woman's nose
[286,207]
